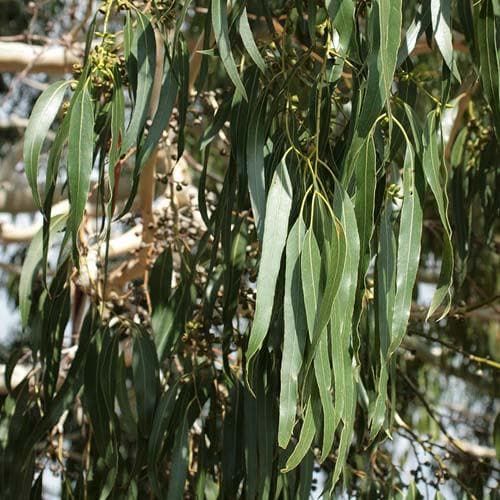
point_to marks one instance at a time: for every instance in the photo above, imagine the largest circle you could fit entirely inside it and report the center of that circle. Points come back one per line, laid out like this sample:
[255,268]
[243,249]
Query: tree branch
[53,59]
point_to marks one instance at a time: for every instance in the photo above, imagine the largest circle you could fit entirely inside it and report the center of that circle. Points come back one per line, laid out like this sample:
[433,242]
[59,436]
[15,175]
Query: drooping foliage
[256,331]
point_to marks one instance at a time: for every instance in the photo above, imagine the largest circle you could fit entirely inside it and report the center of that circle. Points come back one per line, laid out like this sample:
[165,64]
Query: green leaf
[251,458]
[127,420]
[341,13]
[161,422]
[145,367]
[488,47]
[418,27]
[441,27]
[365,176]
[95,404]
[180,460]
[56,311]
[213,129]
[341,329]
[385,294]
[256,130]
[53,167]
[310,271]
[160,280]
[294,334]
[279,203]
[117,128]
[412,492]
[384,30]
[334,255]
[410,233]
[43,114]
[221,32]
[435,174]
[182,68]
[249,42]
[80,158]
[67,392]
[31,265]
[320,307]
[304,443]
[143,57]
[266,438]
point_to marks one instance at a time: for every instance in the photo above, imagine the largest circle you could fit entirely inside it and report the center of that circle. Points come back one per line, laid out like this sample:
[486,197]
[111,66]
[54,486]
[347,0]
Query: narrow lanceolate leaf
[341,330]
[341,13]
[56,311]
[53,164]
[43,114]
[182,68]
[410,233]
[80,157]
[279,203]
[166,102]
[160,280]
[310,264]
[435,174]
[143,52]
[365,175]
[294,334]
[117,128]
[255,164]
[311,271]
[386,291]
[180,460]
[415,30]
[488,47]
[161,421]
[384,34]
[335,256]
[441,27]
[307,434]
[31,265]
[249,42]
[214,128]
[221,32]
[117,131]
[146,379]
[334,252]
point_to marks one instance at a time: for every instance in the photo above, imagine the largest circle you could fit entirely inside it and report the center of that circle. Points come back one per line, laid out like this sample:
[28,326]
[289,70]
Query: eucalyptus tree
[255,189]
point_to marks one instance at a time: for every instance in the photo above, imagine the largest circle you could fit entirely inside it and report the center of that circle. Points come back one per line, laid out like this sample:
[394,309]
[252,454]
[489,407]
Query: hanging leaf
[294,334]
[488,48]
[249,42]
[278,207]
[146,379]
[256,136]
[418,26]
[386,291]
[221,32]
[180,461]
[341,13]
[43,114]
[365,198]
[441,27]
[143,61]
[435,174]
[31,266]
[410,234]
[307,433]
[384,29]
[80,158]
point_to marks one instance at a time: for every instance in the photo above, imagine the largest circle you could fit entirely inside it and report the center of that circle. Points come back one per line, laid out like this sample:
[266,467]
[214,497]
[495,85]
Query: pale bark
[53,59]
